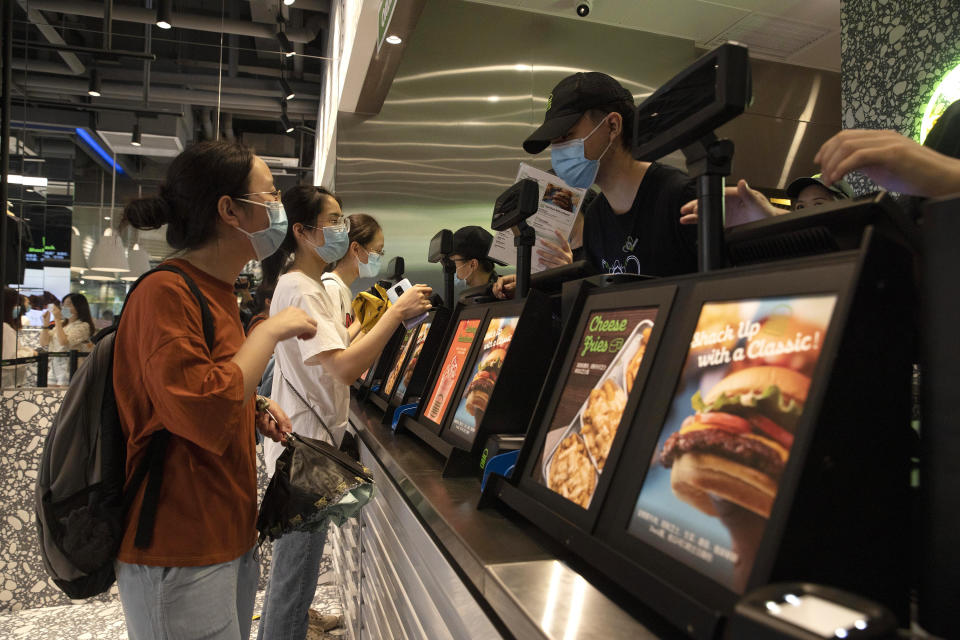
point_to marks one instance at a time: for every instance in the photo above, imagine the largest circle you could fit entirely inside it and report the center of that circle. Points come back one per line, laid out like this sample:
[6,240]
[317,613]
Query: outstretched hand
[742,204]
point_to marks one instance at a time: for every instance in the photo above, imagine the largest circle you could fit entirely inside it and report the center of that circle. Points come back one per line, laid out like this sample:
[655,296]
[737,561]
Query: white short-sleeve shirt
[297,361]
[339,291]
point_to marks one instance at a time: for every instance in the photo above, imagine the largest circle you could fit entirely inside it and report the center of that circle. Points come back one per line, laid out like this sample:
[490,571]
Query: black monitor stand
[524,238]
[449,268]
[709,161]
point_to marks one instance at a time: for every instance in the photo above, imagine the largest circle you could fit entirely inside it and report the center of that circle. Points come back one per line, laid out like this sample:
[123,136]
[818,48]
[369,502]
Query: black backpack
[80,501]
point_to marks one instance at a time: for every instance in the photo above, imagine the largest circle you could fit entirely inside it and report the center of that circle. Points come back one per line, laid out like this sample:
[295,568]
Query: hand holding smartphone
[394,292]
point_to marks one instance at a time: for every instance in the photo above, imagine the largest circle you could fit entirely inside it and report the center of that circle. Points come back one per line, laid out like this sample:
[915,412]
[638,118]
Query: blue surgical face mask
[336,241]
[371,267]
[570,163]
[66,313]
[266,241]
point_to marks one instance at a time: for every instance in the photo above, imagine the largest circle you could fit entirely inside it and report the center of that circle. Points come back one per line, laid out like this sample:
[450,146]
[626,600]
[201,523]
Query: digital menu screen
[398,363]
[721,453]
[453,363]
[493,351]
[404,379]
[592,401]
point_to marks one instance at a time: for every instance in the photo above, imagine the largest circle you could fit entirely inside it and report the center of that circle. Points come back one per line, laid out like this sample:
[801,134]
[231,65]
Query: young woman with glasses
[314,376]
[363,260]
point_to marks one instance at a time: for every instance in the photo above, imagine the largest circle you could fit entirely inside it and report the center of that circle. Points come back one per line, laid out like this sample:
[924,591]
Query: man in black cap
[470,248]
[633,226]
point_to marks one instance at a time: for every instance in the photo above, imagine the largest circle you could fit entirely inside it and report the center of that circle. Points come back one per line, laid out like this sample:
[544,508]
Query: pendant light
[78,263]
[139,261]
[109,254]
[165,14]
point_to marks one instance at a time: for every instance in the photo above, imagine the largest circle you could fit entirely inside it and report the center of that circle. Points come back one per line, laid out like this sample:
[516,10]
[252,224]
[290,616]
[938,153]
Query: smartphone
[394,293]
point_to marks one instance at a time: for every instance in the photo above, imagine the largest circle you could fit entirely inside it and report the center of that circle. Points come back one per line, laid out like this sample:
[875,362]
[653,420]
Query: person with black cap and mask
[470,248]
[633,225]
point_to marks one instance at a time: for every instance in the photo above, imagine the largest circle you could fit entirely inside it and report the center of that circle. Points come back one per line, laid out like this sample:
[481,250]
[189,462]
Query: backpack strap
[152,463]
[206,317]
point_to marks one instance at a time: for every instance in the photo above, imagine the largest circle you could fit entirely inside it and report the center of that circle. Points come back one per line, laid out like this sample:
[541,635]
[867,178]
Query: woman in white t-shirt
[72,330]
[362,260]
[317,371]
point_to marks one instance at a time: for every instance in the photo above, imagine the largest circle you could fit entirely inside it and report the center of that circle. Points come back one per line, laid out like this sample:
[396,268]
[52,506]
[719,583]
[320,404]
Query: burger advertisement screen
[592,401]
[493,351]
[453,362]
[398,363]
[412,362]
[728,433]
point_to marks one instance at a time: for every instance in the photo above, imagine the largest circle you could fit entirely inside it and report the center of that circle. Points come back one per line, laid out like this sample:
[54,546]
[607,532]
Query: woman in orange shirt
[197,575]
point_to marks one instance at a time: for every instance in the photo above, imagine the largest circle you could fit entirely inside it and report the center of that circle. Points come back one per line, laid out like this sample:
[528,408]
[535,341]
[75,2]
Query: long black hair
[187,200]
[11,299]
[82,307]
[302,204]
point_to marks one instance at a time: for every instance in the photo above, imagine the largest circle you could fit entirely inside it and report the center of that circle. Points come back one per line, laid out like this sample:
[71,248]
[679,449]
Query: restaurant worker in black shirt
[633,226]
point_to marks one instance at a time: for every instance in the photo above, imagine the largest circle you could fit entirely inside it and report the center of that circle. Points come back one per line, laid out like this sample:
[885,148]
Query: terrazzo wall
[893,55]
[25,418]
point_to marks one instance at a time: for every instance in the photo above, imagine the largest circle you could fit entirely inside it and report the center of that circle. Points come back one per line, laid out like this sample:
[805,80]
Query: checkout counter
[422,562]
[644,501]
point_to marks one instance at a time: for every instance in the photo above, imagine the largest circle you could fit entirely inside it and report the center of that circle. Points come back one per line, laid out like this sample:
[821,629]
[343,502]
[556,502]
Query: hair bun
[148,213]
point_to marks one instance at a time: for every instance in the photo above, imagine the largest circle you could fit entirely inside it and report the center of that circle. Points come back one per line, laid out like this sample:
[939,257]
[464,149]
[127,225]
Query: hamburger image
[480,388]
[736,445]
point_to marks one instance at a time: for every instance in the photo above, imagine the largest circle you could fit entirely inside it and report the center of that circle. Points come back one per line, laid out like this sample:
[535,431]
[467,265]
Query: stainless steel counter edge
[483,547]
[471,539]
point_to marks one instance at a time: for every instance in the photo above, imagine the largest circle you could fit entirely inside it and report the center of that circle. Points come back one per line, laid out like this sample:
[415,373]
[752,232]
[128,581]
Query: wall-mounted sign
[383,20]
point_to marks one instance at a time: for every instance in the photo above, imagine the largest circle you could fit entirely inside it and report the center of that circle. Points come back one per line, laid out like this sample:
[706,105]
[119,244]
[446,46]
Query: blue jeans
[293,582]
[177,603]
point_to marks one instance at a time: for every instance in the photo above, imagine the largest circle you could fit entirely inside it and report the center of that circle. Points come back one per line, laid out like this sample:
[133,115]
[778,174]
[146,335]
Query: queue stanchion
[43,361]
[74,362]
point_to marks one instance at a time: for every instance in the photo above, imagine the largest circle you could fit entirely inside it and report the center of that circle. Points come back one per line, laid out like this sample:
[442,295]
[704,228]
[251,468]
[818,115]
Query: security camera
[583,8]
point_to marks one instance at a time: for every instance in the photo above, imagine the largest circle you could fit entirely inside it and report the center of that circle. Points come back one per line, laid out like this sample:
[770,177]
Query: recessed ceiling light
[394,39]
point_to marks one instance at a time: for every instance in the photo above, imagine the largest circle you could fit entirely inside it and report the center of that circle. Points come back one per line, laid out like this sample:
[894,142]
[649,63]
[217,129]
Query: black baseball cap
[571,98]
[473,242]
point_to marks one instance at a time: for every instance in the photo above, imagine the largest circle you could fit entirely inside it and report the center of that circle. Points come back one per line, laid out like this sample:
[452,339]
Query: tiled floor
[93,620]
